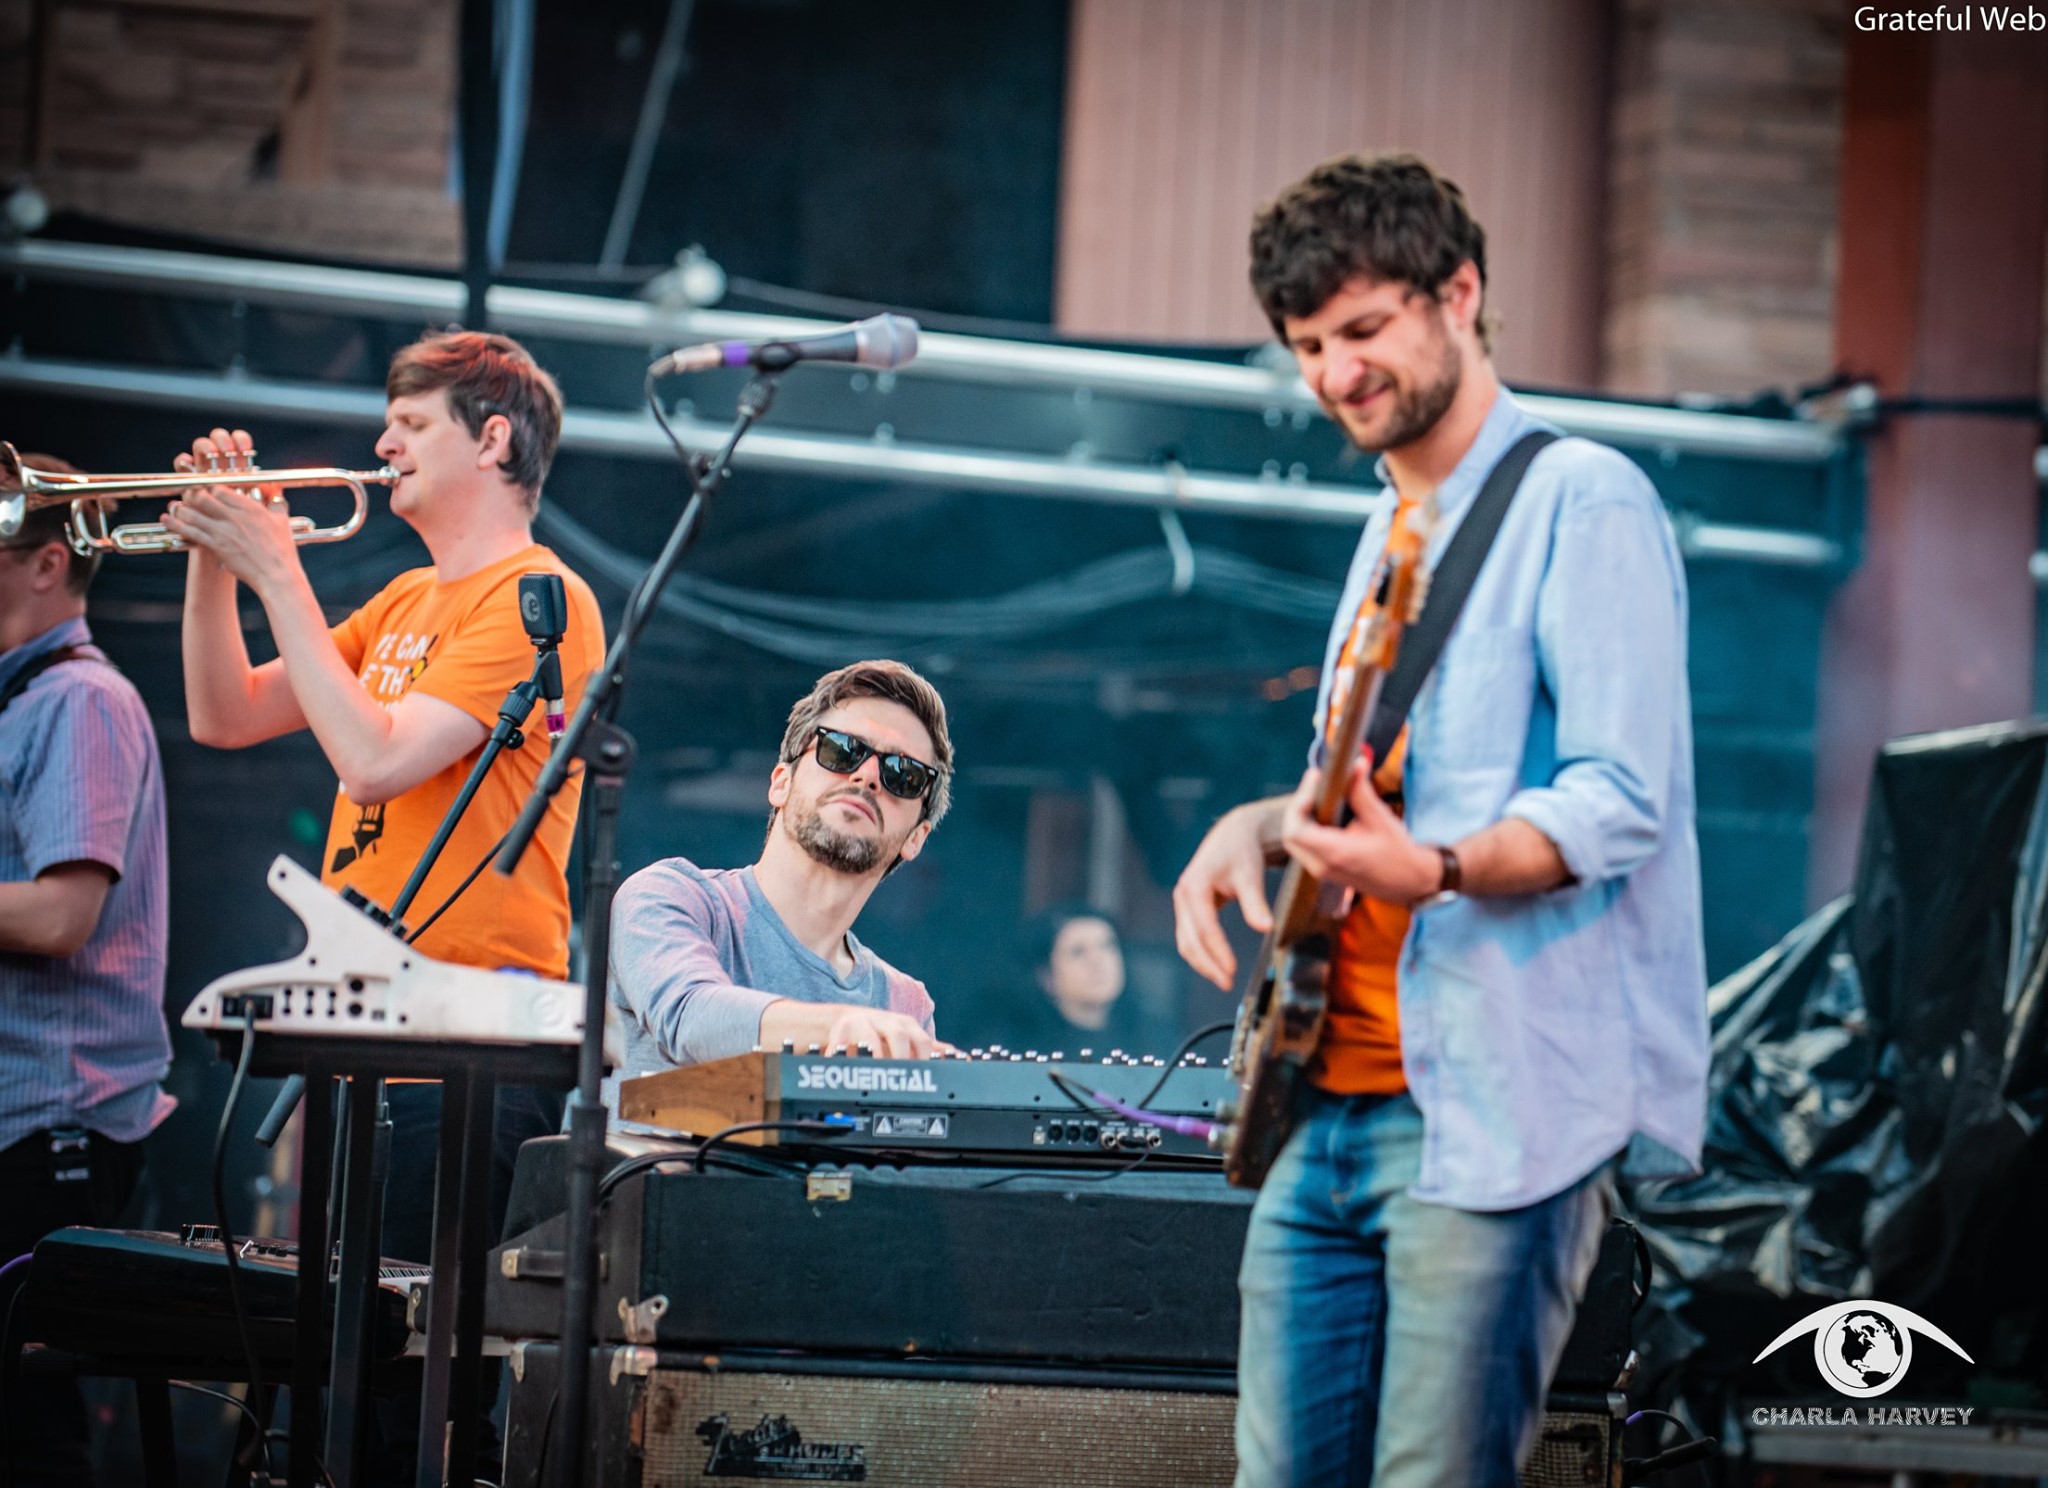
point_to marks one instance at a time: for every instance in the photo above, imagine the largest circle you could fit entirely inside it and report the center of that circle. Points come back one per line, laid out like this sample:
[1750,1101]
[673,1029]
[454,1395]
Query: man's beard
[1416,411]
[836,850]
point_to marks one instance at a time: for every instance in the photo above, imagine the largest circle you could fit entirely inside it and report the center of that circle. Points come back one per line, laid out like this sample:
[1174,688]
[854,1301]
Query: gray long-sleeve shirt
[697,954]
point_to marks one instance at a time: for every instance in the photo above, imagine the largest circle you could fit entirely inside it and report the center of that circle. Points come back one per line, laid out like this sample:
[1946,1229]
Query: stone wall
[1723,194]
[314,126]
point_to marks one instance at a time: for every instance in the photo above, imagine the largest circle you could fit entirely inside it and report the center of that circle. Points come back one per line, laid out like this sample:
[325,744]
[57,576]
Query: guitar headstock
[1404,582]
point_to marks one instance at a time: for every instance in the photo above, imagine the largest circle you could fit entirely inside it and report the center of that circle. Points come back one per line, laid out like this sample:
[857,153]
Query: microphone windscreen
[886,341]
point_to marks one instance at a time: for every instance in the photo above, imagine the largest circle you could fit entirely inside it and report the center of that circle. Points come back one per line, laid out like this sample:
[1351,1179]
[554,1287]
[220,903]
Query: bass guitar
[1280,1018]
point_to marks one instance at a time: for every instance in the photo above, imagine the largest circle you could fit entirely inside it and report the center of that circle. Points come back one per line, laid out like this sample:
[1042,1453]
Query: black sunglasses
[842,753]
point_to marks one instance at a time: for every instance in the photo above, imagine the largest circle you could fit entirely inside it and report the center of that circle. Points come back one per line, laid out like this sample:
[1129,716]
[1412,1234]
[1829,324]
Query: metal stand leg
[362,1217]
[465,1402]
[309,1363]
[159,1444]
[434,1388]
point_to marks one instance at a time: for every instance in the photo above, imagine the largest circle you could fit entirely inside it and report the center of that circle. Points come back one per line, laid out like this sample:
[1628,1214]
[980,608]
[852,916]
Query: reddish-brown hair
[485,374]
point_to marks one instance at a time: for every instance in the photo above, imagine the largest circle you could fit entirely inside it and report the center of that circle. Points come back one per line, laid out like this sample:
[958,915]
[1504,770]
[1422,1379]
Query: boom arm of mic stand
[610,755]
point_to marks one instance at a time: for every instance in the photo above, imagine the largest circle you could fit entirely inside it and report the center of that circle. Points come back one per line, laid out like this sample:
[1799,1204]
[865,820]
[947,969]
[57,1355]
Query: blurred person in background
[83,1043]
[1078,998]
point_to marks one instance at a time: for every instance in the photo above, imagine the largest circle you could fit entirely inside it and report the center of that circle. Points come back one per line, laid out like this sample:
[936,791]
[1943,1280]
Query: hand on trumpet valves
[250,537]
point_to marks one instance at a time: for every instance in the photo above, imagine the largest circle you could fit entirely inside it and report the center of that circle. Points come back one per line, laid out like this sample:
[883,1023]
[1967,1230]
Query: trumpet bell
[13,499]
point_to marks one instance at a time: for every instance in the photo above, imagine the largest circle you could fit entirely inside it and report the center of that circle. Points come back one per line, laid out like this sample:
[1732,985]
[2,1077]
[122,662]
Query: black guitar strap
[18,683]
[1449,582]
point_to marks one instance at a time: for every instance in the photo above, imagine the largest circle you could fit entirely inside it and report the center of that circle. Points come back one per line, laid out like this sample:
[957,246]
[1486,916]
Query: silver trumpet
[24,488]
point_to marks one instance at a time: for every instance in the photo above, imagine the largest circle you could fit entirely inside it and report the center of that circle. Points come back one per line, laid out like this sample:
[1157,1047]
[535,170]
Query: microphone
[551,695]
[544,611]
[884,341]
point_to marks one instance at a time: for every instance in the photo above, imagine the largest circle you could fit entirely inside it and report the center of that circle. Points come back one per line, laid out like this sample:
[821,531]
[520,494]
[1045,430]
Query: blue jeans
[1392,1342]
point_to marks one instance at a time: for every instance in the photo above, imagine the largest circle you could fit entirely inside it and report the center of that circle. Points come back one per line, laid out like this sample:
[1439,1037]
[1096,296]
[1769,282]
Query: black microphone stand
[506,734]
[595,736]
[363,1133]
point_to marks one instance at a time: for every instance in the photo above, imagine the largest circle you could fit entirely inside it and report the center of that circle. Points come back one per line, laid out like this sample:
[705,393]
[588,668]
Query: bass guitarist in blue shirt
[1517,994]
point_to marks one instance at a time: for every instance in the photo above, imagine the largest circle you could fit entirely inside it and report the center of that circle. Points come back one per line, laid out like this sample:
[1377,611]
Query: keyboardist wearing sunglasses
[708,963]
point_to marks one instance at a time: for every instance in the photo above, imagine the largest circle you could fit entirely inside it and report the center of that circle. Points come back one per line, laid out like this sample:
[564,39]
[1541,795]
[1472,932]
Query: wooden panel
[1184,115]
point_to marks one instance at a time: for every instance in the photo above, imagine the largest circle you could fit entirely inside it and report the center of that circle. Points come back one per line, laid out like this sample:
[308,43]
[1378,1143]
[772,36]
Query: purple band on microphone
[735,353]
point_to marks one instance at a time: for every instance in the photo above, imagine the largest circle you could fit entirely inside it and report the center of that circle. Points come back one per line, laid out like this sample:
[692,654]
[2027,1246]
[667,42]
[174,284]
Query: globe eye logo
[1863,1348]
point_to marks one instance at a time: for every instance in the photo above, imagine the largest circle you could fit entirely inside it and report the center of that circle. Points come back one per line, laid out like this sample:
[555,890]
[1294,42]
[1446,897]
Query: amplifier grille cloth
[917,1432]
[711,1429]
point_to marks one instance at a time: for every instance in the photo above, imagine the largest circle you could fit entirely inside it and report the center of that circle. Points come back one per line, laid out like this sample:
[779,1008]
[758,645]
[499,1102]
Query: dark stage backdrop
[899,148]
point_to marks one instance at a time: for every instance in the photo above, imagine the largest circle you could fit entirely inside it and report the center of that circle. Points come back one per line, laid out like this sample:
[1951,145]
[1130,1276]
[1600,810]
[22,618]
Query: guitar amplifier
[1138,1270]
[675,1420]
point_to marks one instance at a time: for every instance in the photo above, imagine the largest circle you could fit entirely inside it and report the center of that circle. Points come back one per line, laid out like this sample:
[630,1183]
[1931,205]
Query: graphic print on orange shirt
[1360,1050]
[387,681]
[463,644]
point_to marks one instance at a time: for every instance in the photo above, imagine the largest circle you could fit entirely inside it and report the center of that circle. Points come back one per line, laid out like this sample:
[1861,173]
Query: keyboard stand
[470,1075]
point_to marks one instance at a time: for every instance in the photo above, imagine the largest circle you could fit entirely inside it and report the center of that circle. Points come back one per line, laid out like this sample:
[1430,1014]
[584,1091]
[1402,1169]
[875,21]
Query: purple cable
[20,1260]
[1186,1126]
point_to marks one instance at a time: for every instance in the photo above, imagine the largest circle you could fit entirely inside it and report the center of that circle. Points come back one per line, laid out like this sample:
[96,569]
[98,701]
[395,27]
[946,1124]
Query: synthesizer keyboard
[357,980]
[158,1295]
[987,1102]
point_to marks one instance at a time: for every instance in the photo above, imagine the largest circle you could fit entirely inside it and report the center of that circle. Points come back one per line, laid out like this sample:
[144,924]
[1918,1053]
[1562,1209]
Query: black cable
[220,1212]
[626,1169]
[482,863]
[1662,1415]
[269,1461]
[1068,1084]
[1129,1167]
[1173,1060]
[809,1128]
[632,1165]
[1693,1449]
[1644,1260]
[547,1436]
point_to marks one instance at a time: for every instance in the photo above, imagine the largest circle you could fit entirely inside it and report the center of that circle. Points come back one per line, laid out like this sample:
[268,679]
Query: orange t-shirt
[1360,1050]
[463,643]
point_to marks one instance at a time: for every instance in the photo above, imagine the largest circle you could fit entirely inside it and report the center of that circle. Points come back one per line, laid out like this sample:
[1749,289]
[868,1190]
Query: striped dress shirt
[83,1040]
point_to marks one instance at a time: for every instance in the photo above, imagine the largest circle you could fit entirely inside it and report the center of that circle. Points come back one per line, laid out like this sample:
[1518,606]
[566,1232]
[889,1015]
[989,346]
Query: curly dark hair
[1388,217]
[485,374]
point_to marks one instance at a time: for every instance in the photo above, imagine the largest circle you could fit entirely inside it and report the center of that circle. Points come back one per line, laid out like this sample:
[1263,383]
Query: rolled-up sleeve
[1610,640]
[667,969]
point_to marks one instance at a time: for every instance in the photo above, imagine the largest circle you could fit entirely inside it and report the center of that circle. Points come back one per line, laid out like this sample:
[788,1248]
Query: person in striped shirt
[83,1043]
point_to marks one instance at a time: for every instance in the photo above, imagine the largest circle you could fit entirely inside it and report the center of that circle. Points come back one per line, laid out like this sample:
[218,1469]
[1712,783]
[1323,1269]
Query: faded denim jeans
[1392,1342]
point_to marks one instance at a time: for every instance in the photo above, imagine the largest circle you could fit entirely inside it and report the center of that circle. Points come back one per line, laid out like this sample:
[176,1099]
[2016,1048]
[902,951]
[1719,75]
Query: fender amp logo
[775,1449]
[865,1077]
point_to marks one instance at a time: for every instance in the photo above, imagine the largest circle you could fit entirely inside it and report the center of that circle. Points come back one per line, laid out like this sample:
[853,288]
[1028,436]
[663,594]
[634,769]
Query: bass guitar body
[1280,1021]
[1279,1025]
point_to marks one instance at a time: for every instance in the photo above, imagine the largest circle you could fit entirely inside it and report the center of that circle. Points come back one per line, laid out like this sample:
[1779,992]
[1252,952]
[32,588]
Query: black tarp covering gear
[1876,1089]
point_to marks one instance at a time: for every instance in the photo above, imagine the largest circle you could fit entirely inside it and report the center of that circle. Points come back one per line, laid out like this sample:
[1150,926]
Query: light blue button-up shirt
[1543,1034]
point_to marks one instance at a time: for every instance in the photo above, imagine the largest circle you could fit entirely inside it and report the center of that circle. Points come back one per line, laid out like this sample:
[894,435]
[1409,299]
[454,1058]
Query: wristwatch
[1448,885]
